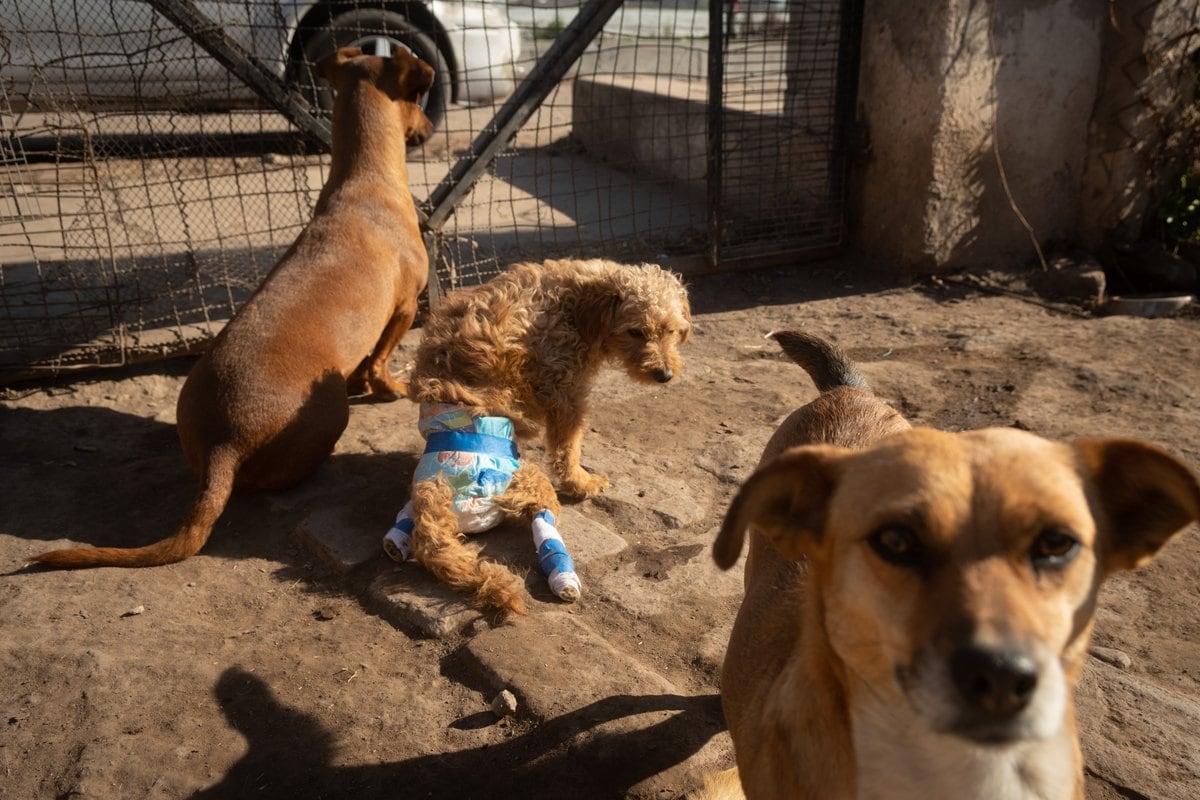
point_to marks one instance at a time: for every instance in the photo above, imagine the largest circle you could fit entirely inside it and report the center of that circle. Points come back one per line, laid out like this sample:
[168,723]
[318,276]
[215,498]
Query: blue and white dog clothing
[477,457]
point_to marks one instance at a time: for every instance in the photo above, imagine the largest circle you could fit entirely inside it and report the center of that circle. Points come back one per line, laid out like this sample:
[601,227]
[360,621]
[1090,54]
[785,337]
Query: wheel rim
[379,45]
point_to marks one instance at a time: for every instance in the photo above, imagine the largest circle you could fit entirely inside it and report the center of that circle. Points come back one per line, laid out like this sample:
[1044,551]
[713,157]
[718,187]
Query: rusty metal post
[716,107]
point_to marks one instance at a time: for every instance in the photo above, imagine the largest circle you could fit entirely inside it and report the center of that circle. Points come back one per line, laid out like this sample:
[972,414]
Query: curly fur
[527,345]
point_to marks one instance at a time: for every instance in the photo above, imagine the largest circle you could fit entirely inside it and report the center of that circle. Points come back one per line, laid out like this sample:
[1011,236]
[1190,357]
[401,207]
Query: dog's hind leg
[530,496]
[398,541]
[439,547]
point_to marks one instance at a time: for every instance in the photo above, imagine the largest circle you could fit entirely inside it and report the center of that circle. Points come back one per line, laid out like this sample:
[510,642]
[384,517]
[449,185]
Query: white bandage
[555,562]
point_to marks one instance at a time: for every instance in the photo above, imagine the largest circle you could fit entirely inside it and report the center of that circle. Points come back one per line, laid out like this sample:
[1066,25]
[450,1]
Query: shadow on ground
[291,753]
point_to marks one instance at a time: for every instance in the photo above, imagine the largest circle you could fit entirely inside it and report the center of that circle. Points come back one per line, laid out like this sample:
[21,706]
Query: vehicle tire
[373,30]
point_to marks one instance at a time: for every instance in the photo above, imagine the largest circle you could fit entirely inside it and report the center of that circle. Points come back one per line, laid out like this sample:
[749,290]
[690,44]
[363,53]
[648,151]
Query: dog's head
[639,316]
[404,79]
[956,574]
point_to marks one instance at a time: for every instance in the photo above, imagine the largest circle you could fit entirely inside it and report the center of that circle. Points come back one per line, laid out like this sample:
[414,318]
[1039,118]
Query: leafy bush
[1179,214]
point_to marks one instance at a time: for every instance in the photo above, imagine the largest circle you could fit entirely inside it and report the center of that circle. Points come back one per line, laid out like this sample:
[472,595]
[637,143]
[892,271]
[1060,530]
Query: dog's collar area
[467,442]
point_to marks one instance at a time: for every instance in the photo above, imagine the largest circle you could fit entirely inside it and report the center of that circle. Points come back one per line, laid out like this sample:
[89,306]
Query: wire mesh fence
[148,189]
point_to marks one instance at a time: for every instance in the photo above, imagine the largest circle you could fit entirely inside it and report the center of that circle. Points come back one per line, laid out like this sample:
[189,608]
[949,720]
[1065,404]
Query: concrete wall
[768,163]
[960,98]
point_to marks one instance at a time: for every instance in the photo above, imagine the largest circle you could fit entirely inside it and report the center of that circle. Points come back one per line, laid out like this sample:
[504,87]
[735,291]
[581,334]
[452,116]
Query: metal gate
[159,156]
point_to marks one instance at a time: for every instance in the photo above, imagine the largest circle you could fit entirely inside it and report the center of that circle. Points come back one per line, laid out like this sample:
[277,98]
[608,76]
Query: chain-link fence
[149,188]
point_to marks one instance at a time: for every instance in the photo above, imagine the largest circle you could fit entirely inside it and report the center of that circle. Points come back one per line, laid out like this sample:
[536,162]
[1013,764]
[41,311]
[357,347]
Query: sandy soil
[253,671]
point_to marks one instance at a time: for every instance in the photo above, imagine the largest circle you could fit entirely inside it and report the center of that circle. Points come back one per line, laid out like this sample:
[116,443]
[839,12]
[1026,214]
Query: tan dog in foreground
[526,347]
[268,401]
[919,604]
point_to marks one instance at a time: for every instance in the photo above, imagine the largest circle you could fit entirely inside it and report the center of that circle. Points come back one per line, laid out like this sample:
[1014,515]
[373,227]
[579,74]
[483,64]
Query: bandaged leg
[553,558]
[397,542]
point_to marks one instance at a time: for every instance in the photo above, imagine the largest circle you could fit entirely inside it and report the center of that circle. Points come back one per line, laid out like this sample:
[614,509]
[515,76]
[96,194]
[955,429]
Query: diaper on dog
[475,456]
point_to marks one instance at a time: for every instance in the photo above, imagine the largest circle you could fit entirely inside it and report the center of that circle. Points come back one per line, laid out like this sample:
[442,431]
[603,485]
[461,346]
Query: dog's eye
[898,545]
[1053,548]
[636,333]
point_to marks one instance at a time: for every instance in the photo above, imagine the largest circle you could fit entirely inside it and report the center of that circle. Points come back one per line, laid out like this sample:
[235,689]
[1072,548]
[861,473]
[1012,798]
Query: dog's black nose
[998,682]
[663,375]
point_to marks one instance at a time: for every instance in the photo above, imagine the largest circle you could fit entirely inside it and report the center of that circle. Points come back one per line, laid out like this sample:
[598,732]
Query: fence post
[546,73]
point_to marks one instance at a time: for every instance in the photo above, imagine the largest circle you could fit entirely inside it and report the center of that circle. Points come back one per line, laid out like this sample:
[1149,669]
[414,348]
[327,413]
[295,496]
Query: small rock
[504,704]
[1079,279]
[1116,658]
[325,613]
[133,612]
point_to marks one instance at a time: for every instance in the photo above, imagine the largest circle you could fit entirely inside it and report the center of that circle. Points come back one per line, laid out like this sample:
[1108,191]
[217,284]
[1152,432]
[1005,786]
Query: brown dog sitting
[919,604]
[497,360]
[268,401]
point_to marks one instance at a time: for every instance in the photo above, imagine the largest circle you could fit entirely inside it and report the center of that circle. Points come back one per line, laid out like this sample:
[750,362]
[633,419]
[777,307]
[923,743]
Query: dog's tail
[825,363]
[192,534]
[439,547]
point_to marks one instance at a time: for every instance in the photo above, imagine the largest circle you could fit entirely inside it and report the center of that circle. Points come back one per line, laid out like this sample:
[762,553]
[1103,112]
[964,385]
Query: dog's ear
[328,66]
[595,314]
[416,77]
[687,315]
[1145,495]
[786,499]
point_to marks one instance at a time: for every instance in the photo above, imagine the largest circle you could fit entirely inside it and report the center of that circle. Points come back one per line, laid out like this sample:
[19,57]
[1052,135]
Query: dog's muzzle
[995,684]
[662,375]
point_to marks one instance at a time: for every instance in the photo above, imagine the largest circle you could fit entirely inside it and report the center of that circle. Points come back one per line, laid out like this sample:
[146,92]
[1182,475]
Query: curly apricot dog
[495,363]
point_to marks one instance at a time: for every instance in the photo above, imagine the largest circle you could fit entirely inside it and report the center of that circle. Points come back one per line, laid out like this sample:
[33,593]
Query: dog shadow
[290,754]
[108,478]
[92,474]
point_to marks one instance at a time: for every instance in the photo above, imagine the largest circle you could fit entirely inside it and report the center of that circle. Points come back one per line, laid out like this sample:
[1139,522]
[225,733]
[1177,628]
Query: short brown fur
[527,345]
[268,401]
[853,675]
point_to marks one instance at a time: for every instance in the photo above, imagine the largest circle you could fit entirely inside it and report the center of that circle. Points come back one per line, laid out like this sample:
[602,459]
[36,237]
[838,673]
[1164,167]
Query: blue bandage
[553,557]
[465,442]
[398,541]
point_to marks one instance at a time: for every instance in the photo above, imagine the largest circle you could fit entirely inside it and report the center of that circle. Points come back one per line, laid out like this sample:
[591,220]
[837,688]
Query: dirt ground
[253,670]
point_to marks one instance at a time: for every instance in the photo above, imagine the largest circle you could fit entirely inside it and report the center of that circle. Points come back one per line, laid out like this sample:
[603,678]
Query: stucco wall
[960,98]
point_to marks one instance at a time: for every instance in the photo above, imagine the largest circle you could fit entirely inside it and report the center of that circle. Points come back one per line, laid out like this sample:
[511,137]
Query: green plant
[1179,214]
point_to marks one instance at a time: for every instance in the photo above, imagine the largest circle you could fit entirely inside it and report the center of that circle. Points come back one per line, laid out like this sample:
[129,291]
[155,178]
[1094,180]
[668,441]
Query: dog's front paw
[583,484]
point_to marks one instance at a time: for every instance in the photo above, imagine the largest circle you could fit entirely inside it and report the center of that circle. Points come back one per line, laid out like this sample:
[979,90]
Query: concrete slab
[683,575]
[524,658]
[338,540]
[413,599]
[647,482]
[411,596]
[606,704]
